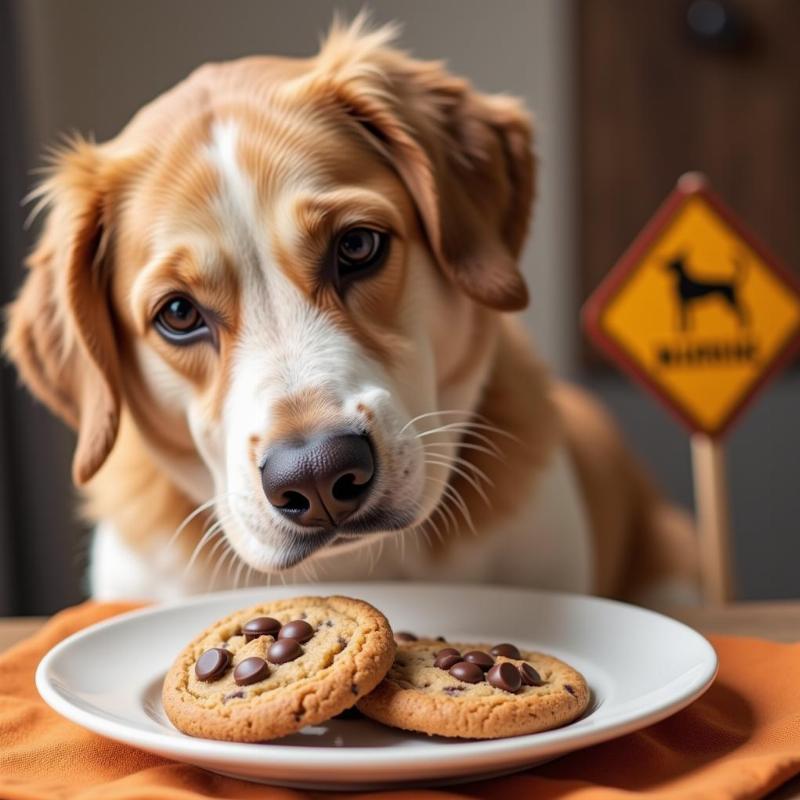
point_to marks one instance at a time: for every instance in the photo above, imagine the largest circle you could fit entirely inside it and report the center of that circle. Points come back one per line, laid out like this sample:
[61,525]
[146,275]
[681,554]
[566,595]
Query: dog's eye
[360,250]
[180,322]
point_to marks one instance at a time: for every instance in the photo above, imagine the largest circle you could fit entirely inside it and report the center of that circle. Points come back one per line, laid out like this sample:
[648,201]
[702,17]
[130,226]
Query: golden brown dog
[276,299]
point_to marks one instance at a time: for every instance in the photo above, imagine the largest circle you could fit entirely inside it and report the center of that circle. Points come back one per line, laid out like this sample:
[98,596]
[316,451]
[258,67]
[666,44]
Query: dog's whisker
[229,570]
[474,426]
[222,541]
[472,481]
[461,434]
[426,536]
[447,513]
[440,510]
[220,560]
[442,413]
[215,521]
[430,521]
[215,530]
[476,470]
[467,446]
[188,519]
[468,425]
[199,510]
[449,500]
[238,574]
[371,555]
[457,499]
[450,492]
[319,570]
[228,558]
[381,542]
[399,541]
[307,572]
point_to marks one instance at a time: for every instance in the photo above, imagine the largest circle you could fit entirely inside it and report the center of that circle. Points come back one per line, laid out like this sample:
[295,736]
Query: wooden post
[713,520]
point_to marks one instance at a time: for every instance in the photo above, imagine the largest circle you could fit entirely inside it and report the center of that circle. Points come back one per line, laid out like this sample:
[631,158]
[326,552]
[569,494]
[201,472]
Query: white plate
[641,667]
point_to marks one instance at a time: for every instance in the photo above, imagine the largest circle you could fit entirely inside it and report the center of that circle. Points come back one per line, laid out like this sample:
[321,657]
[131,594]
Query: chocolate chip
[440,639]
[530,677]
[354,688]
[284,650]
[297,629]
[405,636]
[483,660]
[447,660]
[504,676]
[260,626]
[447,651]
[233,696]
[570,689]
[506,649]
[469,673]
[452,690]
[328,623]
[212,664]
[251,670]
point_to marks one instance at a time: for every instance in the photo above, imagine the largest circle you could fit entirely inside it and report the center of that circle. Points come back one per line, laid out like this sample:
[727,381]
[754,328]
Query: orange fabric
[740,740]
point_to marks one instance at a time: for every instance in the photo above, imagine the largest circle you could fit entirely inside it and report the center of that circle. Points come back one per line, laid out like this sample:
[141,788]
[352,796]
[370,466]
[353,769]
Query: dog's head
[676,264]
[284,271]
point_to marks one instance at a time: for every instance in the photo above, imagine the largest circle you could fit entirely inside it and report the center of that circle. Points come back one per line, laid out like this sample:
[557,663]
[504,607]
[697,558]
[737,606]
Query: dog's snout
[319,482]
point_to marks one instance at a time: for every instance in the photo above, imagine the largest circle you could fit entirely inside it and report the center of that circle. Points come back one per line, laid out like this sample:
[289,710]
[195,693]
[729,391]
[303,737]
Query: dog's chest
[546,545]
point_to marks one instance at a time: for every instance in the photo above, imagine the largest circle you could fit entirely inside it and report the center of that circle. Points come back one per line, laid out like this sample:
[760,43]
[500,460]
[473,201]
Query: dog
[688,290]
[274,310]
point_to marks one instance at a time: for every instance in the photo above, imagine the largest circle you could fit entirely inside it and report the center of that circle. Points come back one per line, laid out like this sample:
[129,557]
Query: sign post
[713,521]
[700,314]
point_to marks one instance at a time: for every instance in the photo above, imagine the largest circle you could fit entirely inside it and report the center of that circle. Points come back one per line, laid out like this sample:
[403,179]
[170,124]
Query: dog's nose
[319,482]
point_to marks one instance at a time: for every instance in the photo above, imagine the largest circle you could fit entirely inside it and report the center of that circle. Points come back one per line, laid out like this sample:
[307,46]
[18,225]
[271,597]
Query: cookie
[475,691]
[272,669]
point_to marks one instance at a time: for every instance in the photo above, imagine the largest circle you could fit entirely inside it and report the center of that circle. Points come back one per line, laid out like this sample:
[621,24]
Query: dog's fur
[229,189]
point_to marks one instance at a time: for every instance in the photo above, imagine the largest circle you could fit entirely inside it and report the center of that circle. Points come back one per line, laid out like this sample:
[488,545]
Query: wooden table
[778,621]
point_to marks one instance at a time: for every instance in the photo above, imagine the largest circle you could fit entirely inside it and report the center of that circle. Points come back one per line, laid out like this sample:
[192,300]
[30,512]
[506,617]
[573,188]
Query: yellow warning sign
[697,310]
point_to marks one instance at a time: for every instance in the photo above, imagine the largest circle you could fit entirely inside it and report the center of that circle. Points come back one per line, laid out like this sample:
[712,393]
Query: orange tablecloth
[740,740]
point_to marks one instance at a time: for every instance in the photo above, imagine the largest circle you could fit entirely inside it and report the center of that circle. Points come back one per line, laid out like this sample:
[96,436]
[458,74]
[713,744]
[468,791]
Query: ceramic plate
[641,667]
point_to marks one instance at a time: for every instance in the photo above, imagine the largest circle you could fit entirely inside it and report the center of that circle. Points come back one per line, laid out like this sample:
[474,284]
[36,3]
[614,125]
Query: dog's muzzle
[319,482]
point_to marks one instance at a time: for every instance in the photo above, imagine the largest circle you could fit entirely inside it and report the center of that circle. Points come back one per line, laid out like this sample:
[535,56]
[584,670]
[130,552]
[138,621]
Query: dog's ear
[60,334]
[465,157]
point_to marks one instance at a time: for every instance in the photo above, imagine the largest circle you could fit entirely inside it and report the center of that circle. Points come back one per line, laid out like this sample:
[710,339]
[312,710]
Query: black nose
[319,482]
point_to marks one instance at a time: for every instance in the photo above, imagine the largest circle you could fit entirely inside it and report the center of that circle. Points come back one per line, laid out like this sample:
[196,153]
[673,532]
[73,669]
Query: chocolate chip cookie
[475,691]
[272,669]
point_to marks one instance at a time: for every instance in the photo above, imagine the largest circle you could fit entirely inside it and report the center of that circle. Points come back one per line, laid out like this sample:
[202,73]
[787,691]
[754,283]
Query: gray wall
[89,64]
[763,473]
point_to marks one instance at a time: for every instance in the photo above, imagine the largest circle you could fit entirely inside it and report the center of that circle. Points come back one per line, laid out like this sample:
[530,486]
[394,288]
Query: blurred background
[627,95]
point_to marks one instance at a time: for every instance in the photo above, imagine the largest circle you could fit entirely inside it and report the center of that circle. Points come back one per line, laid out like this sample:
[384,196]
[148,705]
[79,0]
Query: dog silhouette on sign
[690,289]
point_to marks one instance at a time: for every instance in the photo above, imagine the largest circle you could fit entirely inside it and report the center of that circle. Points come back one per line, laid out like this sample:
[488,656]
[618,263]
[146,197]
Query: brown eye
[359,251]
[180,322]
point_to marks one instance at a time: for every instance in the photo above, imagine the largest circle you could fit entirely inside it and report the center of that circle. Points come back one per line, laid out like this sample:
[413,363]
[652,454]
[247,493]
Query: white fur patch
[237,204]
[116,572]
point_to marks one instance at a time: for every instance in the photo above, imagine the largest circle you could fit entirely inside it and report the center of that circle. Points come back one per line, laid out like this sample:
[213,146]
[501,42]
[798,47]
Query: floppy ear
[60,334]
[465,157]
